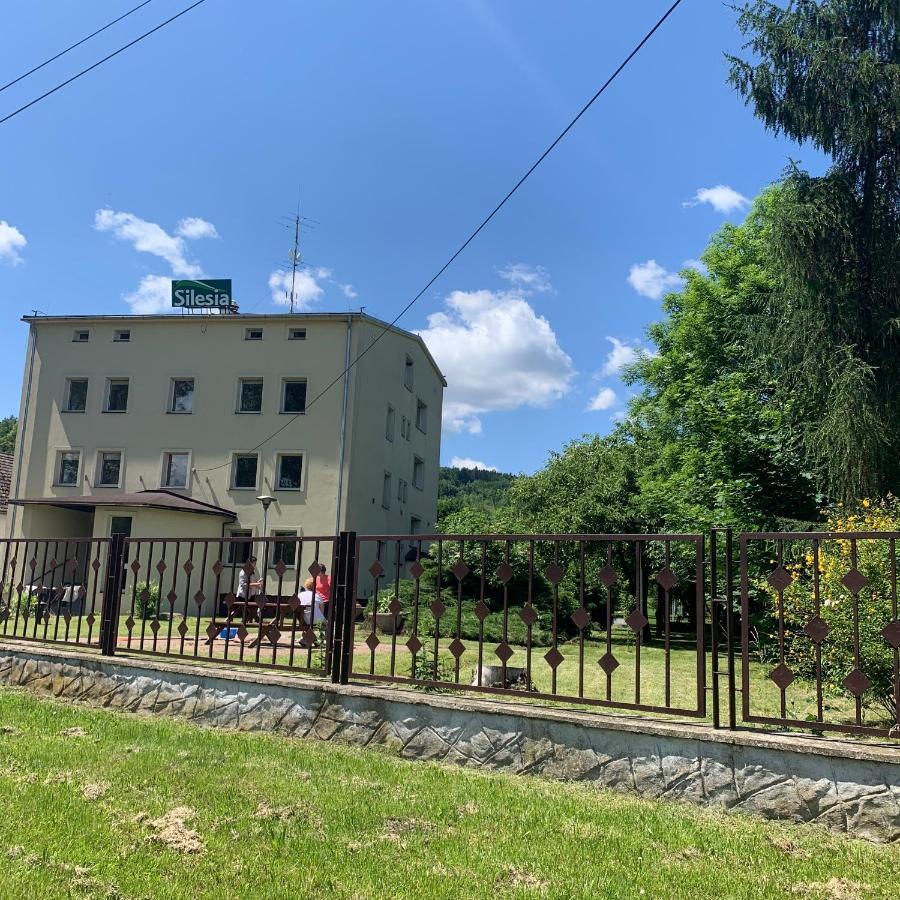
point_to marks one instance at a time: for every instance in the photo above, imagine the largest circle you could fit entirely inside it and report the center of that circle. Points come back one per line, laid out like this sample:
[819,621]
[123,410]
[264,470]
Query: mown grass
[281,818]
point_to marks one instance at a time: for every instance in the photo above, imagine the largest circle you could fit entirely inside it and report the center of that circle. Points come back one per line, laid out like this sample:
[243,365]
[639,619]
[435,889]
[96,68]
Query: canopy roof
[159,499]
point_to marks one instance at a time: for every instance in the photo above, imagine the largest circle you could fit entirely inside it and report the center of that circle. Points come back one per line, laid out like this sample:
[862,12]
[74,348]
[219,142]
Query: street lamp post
[266,501]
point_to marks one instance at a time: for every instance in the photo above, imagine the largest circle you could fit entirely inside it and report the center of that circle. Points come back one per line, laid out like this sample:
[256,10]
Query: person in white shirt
[311,600]
[248,589]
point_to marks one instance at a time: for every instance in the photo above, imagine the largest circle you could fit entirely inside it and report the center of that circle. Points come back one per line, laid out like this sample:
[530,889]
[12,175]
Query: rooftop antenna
[295,257]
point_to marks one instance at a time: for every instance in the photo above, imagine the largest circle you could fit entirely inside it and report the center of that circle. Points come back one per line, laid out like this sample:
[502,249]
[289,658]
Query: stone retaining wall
[845,786]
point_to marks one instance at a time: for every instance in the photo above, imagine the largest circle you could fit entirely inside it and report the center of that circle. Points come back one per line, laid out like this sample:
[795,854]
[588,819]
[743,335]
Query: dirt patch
[468,809]
[786,845]
[10,730]
[833,889]
[171,831]
[94,791]
[687,854]
[395,830]
[74,732]
[514,877]
[278,813]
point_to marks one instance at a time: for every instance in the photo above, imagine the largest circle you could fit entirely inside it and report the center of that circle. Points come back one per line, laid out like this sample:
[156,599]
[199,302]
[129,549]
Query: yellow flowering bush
[875,608]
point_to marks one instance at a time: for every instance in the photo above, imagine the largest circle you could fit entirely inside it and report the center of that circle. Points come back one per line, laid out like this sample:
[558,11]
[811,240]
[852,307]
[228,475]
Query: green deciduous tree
[8,428]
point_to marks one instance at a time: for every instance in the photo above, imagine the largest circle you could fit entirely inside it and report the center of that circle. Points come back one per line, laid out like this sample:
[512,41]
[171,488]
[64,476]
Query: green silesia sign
[212,293]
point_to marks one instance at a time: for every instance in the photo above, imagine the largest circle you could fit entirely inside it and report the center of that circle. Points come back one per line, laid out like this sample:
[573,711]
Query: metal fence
[786,630]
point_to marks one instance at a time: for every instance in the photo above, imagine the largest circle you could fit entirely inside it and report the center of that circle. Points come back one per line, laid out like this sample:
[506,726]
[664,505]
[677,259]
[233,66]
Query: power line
[47,62]
[637,49]
[100,62]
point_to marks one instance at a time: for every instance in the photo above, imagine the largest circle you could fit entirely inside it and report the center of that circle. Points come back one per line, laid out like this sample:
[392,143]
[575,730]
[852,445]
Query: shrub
[147,600]
[875,604]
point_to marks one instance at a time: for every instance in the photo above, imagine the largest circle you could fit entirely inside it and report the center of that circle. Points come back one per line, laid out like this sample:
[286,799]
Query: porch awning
[142,499]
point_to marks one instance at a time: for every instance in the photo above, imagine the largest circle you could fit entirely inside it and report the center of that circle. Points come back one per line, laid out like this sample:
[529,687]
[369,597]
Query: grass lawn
[115,807]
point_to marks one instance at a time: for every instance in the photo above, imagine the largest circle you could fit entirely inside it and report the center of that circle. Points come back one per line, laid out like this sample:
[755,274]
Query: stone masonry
[846,786]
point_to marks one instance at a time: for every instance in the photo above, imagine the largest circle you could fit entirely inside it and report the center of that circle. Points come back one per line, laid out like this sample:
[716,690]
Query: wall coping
[702,732]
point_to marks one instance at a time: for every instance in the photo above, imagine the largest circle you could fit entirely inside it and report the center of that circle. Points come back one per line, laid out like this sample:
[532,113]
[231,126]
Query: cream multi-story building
[175,425]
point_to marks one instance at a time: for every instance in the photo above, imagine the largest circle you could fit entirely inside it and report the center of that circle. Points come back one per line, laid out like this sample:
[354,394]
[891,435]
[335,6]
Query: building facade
[173,426]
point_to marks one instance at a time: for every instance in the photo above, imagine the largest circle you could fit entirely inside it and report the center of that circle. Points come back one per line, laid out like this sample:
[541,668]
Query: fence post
[112,595]
[344,600]
[714,623]
[729,626]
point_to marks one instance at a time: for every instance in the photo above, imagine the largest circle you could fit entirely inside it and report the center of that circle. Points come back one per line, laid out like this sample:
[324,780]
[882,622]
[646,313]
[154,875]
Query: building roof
[159,499]
[247,317]
[6,469]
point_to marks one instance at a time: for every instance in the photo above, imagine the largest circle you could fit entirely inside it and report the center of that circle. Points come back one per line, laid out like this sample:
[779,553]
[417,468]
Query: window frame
[117,336]
[390,424]
[291,336]
[285,381]
[284,533]
[98,466]
[166,454]
[409,376]
[422,407]
[67,393]
[170,406]
[233,485]
[418,466]
[57,466]
[248,332]
[76,332]
[245,379]
[279,456]
[230,559]
[387,490]
[117,379]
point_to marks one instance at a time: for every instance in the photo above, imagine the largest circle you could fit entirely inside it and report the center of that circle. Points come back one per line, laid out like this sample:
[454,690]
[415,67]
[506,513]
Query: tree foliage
[828,74]
[8,427]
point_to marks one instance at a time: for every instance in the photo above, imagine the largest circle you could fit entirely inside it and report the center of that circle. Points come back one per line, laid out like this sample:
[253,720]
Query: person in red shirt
[323,584]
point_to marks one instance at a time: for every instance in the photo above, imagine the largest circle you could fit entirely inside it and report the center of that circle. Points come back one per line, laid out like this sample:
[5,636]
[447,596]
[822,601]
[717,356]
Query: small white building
[173,425]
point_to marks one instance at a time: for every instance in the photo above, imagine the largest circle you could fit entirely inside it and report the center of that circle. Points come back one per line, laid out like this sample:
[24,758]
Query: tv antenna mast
[295,258]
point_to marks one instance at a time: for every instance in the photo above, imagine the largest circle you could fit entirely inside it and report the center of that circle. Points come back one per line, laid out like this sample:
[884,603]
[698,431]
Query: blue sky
[402,123]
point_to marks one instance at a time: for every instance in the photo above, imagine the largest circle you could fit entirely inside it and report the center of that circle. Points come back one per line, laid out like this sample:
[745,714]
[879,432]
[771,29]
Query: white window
[76,395]
[68,463]
[408,373]
[81,336]
[391,423]
[293,395]
[289,474]
[421,416]
[285,549]
[181,395]
[418,473]
[244,471]
[122,335]
[116,395]
[404,428]
[253,334]
[109,468]
[402,485]
[386,491]
[415,525]
[250,394]
[296,334]
[175,469]
[240,549]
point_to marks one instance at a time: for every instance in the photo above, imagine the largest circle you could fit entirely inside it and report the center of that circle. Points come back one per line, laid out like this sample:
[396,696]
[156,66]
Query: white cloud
[497,354]
[11,242]
[651,280]
[527,278]
[621,355]
[307,289]
[154,295]
[148,237]
[349,291]
[605,398]
[465,462]
[193,228]
[722,198]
